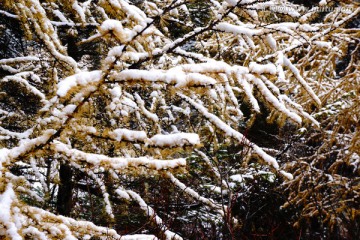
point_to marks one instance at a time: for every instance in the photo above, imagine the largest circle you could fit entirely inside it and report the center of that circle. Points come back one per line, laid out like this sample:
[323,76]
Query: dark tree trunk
[64,198]
[72,48]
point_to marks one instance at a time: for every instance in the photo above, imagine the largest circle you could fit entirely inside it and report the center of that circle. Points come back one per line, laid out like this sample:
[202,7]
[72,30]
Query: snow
[79,10]
[248,1]
[114,53]
[297,108]
[128,135]
[235,29]
[45,31]
[240,178]
[19,135]
[133,12]
[280,71]
[195,79]
[9,14]
[169,235]
[32,231]
[303,83]
[18,60]
[267,158]
[273,100]
[139,237]
[122,194]
[271,41]
[211,67]
[24,146]
[208,162]
[4,152]
[64,112]
[65,228]
[308,28]
[231,132]
[79,79]
[108,207]
[213,94]
[237,178]
[174,140]
[232,2]
[253,13]
[61,16]
[286,27]
[215,189]
[147,113]
[116,92]
[6,200]
[38,174]
[262,68]
[248,92]
[129,102]
[185,111]
[289,176]
[191,192]
[117,163]
[229,91]
[115,27]
[173,76]
[322,44]
[69,109]
[214,82]
[17,78]
[322,2]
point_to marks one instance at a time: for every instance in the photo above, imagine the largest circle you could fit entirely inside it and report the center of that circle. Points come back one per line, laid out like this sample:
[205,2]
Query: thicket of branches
[179,119]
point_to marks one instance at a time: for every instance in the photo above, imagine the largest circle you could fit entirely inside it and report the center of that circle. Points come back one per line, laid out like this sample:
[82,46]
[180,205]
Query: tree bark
[64,198]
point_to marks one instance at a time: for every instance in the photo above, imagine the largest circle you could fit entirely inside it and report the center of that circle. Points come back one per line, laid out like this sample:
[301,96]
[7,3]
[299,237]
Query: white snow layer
[79,79]
[175,139]
[169,235]
[128,135]
[235,29]
[7,155]
[271,42]
[18,60]
[270,98]
[115,27]
[229,131]
[260,68]
[117,163]
[287,175]
[173,76]
[139,237]
[6,200]
[232,2]
[301,80]
[248,92]
[25,83]
[191,192]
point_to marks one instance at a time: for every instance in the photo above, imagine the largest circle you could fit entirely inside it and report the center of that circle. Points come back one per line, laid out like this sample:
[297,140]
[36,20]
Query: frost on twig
[109,90]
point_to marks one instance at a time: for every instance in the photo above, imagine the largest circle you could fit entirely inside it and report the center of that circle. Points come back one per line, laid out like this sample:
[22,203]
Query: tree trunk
[64,198]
